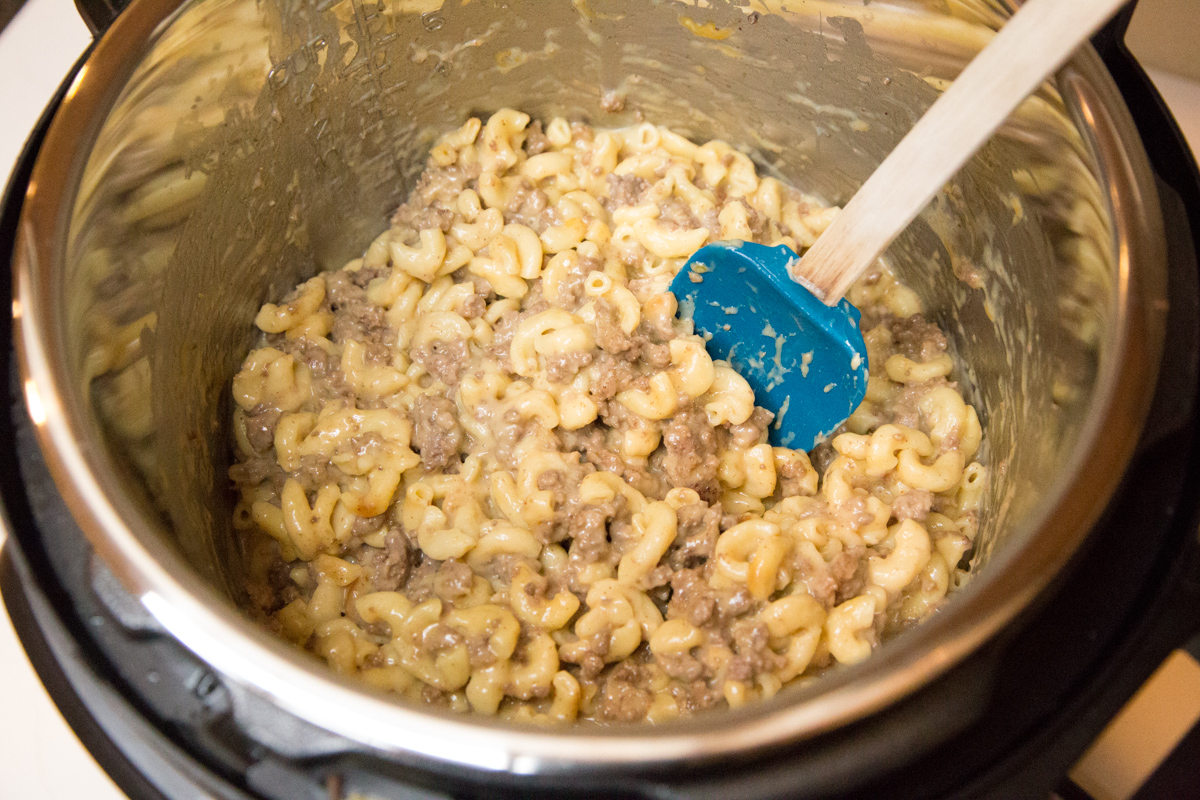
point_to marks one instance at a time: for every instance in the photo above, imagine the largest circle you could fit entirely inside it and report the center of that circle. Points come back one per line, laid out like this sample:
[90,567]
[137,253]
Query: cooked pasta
[487,466]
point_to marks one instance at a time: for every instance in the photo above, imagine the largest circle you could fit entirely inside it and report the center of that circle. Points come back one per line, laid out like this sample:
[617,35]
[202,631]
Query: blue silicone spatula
[781,320]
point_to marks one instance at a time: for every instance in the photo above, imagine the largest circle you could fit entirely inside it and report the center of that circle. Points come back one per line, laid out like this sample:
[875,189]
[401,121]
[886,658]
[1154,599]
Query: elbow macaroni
[486,466]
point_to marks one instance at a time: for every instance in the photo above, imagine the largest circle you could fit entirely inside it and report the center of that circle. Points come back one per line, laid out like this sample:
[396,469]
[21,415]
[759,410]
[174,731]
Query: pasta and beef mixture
[486,466]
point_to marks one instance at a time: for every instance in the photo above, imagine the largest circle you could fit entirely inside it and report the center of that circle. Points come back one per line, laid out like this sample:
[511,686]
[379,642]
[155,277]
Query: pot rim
[134,547]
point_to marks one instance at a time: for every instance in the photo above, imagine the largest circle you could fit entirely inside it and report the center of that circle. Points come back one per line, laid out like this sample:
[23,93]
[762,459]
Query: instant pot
[205,156]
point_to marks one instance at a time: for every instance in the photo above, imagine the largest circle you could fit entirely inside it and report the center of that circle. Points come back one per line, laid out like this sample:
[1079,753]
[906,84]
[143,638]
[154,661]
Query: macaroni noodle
[487,467]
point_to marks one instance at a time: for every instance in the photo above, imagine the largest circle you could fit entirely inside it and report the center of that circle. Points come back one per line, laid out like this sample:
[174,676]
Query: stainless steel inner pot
[212,153]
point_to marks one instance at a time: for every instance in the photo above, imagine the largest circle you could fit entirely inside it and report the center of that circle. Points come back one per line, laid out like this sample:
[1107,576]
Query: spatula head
[805,361]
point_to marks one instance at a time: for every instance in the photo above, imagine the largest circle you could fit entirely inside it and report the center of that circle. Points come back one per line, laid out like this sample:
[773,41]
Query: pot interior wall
[255,145]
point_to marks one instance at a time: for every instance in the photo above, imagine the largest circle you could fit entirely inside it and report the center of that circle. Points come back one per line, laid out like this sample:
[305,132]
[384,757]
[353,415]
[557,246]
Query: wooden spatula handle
[1038,39]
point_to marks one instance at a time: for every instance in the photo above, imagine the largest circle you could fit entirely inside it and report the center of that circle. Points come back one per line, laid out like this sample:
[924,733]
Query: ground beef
[696,535]
[657,356]
[917,339]
[535,140]
[752,431]
[691,461]
[589,654]
[570,290]
[509,430]
[692,599]
[443,360]
[683,666]
[439,637]
[502,336]
[759,223]
[796,477]
[254,470]
[421,574]
[582,133]
[913,504]
[818,581]
[432,695]
[501,567]
[527,206]
[850,574]
[823,454]
[845,564]
[563,368]
[355,317]
[610,336]
[625,190]
[855,508]
[363,276]
[710,219]
[677,214]
[435,189]
[436,432]
[365,526]
[279,589]
[473,307]
[609,375]
[386,568]
[591,442]
[658,328]
[624,696]
[260,427]
[753,655]
[479,650]
[734,603]
[431,218]
[453,580]
[905,408]
[377,354]
[640,346]
[315,473]
[554,481]
[696,696]
[612,101]
[308,352]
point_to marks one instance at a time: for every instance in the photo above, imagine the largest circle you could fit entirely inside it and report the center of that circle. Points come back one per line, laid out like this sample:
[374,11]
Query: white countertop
[40,758]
